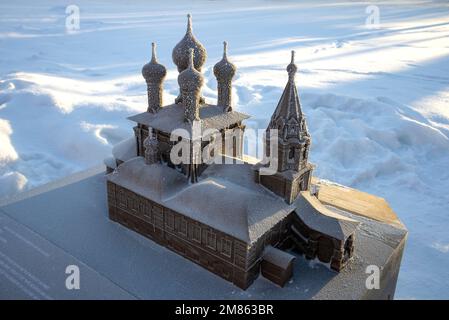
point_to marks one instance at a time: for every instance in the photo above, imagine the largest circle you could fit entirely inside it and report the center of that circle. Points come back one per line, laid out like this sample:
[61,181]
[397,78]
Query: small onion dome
[292,68]
[190,80]
[153,71]
[151,140]
[180,53]
[224,69]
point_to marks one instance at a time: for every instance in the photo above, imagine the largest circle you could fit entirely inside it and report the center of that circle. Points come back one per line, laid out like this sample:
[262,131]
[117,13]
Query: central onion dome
[180,52]
[190,82]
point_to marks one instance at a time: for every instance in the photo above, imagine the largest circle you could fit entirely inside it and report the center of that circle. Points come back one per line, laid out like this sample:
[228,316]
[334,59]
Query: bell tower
[290,125]
[291,150]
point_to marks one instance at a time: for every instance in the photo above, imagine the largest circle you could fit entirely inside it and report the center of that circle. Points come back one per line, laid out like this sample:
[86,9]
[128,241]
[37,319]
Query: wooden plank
[356,202]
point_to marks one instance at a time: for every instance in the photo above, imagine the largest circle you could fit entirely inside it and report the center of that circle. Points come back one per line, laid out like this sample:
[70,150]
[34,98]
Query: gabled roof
[171,117]
[225,198]
[320,218]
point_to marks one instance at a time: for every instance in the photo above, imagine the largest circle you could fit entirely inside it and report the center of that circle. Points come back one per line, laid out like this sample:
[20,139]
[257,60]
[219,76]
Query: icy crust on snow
[7,151]
[240,208]
[11,183]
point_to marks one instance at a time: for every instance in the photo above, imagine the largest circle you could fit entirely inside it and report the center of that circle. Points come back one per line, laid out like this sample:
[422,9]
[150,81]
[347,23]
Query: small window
[169,220]
[195,233]
[122,198]
[134,204]
[226,247]
[181,226]
[291,153]
[156,209]
[211,240]
[147,210]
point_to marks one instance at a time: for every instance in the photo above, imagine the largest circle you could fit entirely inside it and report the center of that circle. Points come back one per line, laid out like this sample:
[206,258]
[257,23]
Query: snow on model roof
[171,117]
[319,218]
[225,198]
[125,149]
[278,257]
[110,162]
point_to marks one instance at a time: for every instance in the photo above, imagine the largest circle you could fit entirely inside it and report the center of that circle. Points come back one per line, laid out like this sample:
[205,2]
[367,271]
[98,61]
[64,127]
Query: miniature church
[231,218]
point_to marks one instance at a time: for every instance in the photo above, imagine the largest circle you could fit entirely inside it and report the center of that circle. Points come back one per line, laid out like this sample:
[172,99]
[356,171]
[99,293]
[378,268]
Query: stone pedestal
[66,223]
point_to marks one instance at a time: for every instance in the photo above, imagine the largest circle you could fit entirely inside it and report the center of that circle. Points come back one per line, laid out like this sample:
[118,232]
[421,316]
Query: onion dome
[154,74]
[224,69]
[151,148]
[190,82]
[180,53]
[153,71]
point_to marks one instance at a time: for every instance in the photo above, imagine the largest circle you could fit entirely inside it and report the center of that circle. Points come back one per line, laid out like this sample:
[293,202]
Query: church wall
[277,234]
[214,250]
[165,145]
[274,183]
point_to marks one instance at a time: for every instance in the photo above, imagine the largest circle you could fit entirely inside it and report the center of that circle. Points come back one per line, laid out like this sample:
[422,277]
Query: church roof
[170,118]
[180,52]
[320,218]
[190,79]
[225,198]
[288,106]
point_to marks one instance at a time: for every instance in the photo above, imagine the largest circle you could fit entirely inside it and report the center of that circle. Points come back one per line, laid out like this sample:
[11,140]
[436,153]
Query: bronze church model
[231,218]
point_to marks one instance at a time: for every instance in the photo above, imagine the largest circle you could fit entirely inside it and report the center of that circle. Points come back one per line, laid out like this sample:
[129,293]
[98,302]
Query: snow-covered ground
[377,100]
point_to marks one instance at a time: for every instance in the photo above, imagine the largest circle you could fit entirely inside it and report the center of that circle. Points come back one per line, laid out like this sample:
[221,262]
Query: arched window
[291,153]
